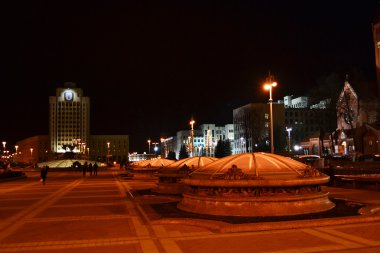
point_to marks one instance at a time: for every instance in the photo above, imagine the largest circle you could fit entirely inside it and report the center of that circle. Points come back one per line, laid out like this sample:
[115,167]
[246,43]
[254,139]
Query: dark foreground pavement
[101,214]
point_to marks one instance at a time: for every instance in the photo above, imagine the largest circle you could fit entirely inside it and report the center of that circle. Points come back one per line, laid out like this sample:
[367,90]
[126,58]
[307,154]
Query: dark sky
[148,66]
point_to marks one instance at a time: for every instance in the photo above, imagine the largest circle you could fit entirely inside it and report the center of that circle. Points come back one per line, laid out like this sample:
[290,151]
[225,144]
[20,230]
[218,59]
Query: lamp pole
[16,155]
[31,155]
[149,141]
[269,84]
[108,152]
[289,130]
[163,148]
[155,147]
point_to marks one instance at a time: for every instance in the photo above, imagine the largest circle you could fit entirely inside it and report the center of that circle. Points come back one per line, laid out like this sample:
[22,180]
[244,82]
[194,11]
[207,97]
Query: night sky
[149,66]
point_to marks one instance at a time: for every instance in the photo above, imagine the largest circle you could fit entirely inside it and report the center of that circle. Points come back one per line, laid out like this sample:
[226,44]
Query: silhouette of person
[90,168]
[84,168]
[44,172]
[95,169]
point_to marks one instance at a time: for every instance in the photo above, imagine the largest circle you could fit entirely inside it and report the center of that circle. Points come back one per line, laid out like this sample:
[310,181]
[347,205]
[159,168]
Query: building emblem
[68,95]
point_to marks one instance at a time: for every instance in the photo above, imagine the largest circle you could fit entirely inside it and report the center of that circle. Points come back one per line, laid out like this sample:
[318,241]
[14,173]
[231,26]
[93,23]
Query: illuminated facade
[69,120]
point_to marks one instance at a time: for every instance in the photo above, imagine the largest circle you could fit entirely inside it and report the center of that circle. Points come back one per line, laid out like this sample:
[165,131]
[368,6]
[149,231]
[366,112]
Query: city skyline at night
[149,67]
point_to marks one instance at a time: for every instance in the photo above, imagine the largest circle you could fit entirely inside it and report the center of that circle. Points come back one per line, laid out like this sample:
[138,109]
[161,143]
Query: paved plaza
[103,214]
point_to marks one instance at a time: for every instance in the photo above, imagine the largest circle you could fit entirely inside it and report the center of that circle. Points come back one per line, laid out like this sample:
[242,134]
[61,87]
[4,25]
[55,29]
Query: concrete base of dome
[171,188]
[257,206]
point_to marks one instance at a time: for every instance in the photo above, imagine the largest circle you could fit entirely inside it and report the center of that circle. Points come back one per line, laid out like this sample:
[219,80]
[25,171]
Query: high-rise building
[69,120]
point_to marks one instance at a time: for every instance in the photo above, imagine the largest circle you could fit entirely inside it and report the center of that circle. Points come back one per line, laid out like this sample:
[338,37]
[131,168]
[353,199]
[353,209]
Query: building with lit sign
[69,120]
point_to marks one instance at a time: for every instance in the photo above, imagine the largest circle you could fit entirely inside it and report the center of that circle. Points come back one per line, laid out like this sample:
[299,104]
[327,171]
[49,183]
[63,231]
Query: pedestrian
[84,168]
[44,172]
[90,168]
[95,169]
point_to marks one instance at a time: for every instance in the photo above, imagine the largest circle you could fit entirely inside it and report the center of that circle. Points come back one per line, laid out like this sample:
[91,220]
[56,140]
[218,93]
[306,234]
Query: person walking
[84,168]
[95,169]
[44,172]
[90,168]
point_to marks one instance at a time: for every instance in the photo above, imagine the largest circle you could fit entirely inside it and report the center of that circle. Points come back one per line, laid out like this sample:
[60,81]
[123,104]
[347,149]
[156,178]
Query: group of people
[93,169]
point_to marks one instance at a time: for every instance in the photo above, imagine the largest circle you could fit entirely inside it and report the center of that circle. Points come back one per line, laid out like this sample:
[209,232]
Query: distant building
[69,121]
[252,127]
[206,138]
[109,147]
[33,150]
[168,145]
[304,122]
[299,102]
[69,133]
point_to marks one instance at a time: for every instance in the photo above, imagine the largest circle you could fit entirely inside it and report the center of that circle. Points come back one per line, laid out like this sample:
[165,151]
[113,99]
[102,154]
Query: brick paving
[101,214]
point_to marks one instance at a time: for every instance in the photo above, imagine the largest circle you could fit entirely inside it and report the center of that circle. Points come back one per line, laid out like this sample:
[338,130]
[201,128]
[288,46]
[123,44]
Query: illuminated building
[69,121]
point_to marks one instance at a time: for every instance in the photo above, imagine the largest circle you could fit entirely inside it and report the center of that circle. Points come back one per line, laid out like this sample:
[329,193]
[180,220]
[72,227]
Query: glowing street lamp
[289,130]
[149,141]
[192,122]
[108,152]
[269,84]
[4,143]
[155,147]
[163,150]
[31,154]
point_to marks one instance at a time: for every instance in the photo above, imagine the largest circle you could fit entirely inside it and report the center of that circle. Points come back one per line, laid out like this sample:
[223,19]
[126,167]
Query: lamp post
[16,155]
[31,155]
[269,84]
[149,141]
[289,130]
[192,121]
[163,148]
[108,152]
[4,143]
[155,147]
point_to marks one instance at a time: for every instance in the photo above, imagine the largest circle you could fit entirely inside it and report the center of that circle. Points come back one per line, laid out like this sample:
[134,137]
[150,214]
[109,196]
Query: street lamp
[289,130]
[192,137]
[16,156]
[149,141]
[155,147]
[108,152]
[163,147]
[269,84]
[4,143]
[31,155]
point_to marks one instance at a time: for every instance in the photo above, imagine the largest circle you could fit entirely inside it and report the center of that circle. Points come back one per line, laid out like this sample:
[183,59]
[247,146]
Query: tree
[183,153]
[223,148]
[328,87]
[171,156]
